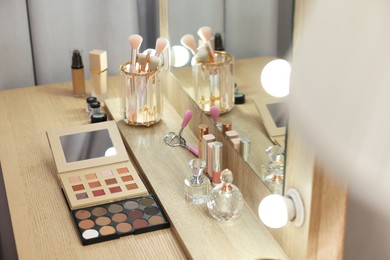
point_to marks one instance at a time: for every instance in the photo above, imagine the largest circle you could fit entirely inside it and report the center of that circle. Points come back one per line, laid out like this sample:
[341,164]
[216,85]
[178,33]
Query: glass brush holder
[214,82]
[141,99]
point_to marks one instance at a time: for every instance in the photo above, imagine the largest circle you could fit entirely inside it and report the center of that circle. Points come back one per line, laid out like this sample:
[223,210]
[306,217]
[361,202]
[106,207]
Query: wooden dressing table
[42,224]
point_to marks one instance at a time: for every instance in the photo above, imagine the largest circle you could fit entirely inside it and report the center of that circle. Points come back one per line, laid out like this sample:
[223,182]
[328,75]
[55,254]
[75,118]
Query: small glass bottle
[272,172]
[197,186]
[225,200]
[88,101]
[95,107]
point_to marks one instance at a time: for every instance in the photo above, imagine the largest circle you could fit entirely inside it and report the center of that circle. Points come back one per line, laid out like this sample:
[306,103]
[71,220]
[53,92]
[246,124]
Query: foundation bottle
[98,74]
[78,79]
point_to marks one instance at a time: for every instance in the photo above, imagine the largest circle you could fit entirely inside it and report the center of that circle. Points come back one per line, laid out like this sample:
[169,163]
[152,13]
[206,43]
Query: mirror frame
[325,200]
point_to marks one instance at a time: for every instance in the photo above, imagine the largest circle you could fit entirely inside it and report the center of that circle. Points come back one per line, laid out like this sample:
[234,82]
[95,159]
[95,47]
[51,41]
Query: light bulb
[180,56]
[110,151]
[275,78]
[276,210]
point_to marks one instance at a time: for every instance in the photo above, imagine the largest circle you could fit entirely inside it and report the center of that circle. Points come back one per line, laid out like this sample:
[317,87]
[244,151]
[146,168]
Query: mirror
[255,33]
[87,145]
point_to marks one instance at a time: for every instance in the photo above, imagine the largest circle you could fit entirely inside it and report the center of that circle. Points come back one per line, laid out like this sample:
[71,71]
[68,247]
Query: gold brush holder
[141,102]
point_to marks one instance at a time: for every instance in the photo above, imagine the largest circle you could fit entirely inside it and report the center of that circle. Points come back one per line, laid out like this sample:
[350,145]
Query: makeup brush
[205,33]
[214,113]
[161,44]
[135,41]
[188,41]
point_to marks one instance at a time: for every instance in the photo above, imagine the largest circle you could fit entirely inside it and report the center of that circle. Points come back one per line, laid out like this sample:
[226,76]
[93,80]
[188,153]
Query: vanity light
[275,78]
[180,56]
[276,210]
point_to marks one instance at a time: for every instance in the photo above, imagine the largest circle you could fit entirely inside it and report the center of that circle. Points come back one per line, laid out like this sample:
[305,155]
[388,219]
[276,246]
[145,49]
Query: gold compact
[93,165]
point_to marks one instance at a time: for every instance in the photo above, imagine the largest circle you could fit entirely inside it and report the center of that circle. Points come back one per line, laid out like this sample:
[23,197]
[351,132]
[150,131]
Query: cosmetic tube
[205,140]
[202,130]
[217,162]
[245,146]
[226,126]
[78,78]
[98,70]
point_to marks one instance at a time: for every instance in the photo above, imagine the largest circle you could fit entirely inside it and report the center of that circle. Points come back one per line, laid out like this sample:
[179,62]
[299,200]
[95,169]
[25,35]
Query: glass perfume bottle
[197,186]
[272,172]
[225,200]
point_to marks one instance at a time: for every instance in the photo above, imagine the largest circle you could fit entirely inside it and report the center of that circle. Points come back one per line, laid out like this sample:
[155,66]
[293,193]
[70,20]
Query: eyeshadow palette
[102,184]
[113,220]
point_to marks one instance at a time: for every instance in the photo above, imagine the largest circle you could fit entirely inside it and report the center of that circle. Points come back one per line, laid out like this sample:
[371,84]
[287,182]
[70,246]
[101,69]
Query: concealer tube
[98,73]
[78,78]
[202,130]
[217,162]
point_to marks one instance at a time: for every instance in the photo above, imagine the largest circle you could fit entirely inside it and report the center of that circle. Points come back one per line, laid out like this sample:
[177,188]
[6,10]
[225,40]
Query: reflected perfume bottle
[272,172]
[225,200]
[197,186]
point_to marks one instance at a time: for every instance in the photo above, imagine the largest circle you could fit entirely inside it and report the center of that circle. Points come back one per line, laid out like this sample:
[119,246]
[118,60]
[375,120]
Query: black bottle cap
[77,62]
[98,117]
[95,104]
[239,98]
[218,44]
[89,100]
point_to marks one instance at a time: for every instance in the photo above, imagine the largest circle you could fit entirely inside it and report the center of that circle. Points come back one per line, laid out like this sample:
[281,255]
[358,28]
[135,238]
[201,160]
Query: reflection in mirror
[87,145]
[255,33]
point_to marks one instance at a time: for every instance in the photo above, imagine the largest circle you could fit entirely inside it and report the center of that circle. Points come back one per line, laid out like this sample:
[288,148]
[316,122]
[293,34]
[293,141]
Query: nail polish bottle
[78,79]
[197,186]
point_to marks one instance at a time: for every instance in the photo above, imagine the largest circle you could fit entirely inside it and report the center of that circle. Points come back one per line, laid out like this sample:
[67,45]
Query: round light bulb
[110,152]
[274,211]
[275,78]
[180,56]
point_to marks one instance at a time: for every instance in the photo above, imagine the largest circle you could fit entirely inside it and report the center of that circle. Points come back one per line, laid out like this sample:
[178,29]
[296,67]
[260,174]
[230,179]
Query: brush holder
[214,82]
[141,101]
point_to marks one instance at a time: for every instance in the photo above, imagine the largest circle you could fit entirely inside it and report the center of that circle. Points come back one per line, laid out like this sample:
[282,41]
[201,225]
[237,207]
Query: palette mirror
[255,33]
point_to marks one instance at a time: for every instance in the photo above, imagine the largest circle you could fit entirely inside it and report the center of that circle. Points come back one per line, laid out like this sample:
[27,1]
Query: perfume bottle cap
[197,166]
[77,61]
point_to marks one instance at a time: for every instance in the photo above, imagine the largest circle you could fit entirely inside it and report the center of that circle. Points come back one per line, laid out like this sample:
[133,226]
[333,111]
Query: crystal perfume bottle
[225,200]
[272,172]
[197,186]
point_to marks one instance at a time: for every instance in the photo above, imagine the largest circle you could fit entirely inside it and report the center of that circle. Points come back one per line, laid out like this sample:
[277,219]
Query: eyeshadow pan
[83,214]
[81,196]
[99,211]
[119,217]
[78,187]
[115,208]
[127,178]
[107,173]
[103,221]
[97,193]
[90,176]
[74,179]
[86,224]
[124,227]
[146,202]
[155,220]
[115,189]
[107,230]
[122,170]
[131,205]
[151,210]
[132,186]
[140,223]
[94,184]
[134,214]
[90,233]
[111,181]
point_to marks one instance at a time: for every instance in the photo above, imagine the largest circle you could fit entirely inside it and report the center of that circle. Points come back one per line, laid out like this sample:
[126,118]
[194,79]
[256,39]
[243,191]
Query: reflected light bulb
[275,78]
[276,210]
[180,56]
[110,152]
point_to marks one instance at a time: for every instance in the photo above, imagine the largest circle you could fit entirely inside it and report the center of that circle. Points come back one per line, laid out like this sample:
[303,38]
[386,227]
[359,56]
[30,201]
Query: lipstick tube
[217,162]
[202,130]
[245,147]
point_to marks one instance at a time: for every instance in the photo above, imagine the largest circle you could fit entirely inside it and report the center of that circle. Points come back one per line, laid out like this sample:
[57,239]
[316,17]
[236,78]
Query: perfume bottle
[272,172]
[197,186]
[225,200]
